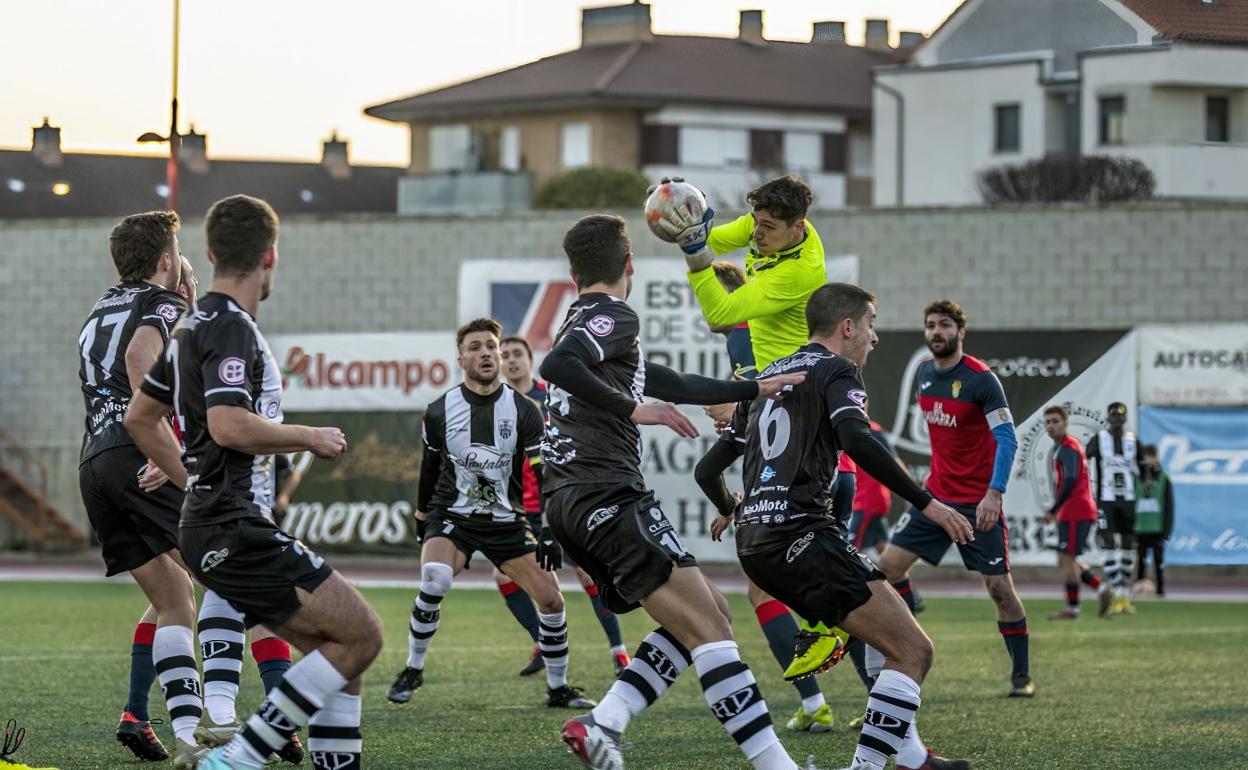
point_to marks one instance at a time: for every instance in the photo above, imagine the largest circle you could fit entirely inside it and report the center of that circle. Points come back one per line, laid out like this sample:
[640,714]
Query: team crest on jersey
[601,325]
[505,429]
[232,371]
[957,388]
[858,396]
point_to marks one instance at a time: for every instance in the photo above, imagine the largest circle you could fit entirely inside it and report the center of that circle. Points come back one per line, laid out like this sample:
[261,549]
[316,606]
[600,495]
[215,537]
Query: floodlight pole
[171,169]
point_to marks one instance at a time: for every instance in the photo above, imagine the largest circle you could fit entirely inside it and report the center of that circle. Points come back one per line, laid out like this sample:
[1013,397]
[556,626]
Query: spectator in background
[1154,515]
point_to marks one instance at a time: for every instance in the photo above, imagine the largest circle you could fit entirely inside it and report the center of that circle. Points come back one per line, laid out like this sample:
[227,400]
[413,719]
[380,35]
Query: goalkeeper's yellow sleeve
[731,236]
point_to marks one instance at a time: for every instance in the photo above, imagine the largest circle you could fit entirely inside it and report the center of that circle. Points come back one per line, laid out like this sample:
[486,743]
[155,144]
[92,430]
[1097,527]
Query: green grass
[1162,689]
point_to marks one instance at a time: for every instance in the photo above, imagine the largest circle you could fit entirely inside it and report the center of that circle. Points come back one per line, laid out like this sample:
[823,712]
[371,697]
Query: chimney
[193,151]
[750,28]
[877,34]
[910,39]
[45,144]
[334,157]
[616,24]
[828,32]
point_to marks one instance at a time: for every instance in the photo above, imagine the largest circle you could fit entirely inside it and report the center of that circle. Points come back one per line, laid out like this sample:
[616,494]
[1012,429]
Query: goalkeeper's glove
[692,241]
[549,554]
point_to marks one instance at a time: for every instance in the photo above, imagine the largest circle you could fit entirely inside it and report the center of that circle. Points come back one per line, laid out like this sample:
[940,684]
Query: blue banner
[1205,452]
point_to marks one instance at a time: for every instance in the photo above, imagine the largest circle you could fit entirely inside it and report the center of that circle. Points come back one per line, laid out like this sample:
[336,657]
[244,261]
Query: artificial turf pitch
[1161,689]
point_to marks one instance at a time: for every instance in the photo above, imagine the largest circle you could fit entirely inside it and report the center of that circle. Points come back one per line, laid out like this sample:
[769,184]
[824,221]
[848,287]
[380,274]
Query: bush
[592,188]
[1086,179]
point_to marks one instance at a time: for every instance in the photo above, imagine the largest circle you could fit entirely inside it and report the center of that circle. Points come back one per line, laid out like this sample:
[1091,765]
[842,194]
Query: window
[1006,128]
[509,149]
[802,151]
[767,150]
[1113,110]
[660,145]
[449,147]
[713,147]
[575,145]
[834,153]
[1217,119]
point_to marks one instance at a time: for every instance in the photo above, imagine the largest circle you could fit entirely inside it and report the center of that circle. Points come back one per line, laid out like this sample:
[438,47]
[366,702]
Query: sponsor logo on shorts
[232,371]
[733,704]
[995,561]
[799,547]
[768,474]
[656,514]
[601,325]
[212,559]
[600,517]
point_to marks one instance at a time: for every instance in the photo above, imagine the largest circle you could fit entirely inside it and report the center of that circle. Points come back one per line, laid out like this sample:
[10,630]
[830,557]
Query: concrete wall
[1045,267]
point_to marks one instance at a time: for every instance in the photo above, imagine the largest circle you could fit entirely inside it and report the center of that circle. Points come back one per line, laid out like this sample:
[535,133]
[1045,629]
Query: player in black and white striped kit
[477,438]
[600,511]
[222,382]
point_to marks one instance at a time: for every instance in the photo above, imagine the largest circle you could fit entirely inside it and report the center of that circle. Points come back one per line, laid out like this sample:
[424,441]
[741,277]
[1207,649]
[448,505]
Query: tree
[1086,179]
[594,188]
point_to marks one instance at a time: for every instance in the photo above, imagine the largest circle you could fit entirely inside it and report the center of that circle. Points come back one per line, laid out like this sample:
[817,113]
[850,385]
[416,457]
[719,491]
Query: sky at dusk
[272,78]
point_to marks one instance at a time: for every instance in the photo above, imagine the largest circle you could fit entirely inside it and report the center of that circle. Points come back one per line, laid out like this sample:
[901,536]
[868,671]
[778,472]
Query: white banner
[1194,365]
[1031,488]
[531,298]
[400,371]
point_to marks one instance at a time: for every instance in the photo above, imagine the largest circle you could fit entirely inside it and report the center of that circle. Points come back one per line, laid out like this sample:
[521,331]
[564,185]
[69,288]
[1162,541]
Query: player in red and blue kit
[973,446]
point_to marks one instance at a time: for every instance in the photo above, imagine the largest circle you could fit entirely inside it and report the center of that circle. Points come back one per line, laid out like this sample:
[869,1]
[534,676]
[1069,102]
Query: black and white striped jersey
[477,446]
[218,357]
[102,345]
[585,443]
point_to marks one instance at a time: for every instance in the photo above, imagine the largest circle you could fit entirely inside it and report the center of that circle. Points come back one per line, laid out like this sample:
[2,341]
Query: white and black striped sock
[1113,572]
[552,640]
[221,643]
[658,662]
[1126,564]
[304,689]
[890,711]
[334,740]
[173,654]
[435,582]
[730,690]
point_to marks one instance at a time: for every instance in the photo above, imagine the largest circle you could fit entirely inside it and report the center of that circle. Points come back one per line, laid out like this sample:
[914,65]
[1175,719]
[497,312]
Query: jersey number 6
[774,418]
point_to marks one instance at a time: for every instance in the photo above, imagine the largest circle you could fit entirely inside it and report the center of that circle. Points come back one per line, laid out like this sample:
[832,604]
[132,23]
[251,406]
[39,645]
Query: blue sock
[610,623]
[521,607]
[272,659]
[142,670]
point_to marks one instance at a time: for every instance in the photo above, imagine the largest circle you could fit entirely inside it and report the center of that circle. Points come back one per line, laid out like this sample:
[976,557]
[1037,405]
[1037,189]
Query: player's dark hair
[832,303]
[240,230]
[597,247]
[477,325]
[137,242]
[1148,449]
[1057,409]
[786,198]
[518,340]
[947,307]
[730,275]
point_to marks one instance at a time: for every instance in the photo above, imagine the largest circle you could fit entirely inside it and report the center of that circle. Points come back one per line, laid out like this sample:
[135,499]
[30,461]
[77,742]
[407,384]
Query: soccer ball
[673,206]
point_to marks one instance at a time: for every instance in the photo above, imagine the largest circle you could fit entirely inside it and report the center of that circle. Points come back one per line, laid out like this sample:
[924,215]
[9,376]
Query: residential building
[1006,81]
[726,113]
[44,181]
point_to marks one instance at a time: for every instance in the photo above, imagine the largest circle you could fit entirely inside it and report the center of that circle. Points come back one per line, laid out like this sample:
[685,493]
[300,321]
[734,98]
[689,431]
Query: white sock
[893,702]
[812,704]
[619,649]
[334,740]
[552,640]
[221,640]
[435,582]
[659,661]
[173,653]
[732,693]
[912,752]
[874,661]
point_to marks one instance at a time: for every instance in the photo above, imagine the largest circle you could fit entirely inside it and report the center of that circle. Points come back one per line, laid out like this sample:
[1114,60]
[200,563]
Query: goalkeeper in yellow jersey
[784,265]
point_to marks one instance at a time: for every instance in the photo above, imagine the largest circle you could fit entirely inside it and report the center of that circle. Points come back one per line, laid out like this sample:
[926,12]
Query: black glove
[420,530]
[549,554]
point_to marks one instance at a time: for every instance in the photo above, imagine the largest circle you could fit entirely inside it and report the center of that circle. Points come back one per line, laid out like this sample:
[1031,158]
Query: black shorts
[843,498]
[254,565]
[1115,518]
[815,572]
[987,554]
[620,536]
[867,530]
[497,541]
[134,526]
[1072,537]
